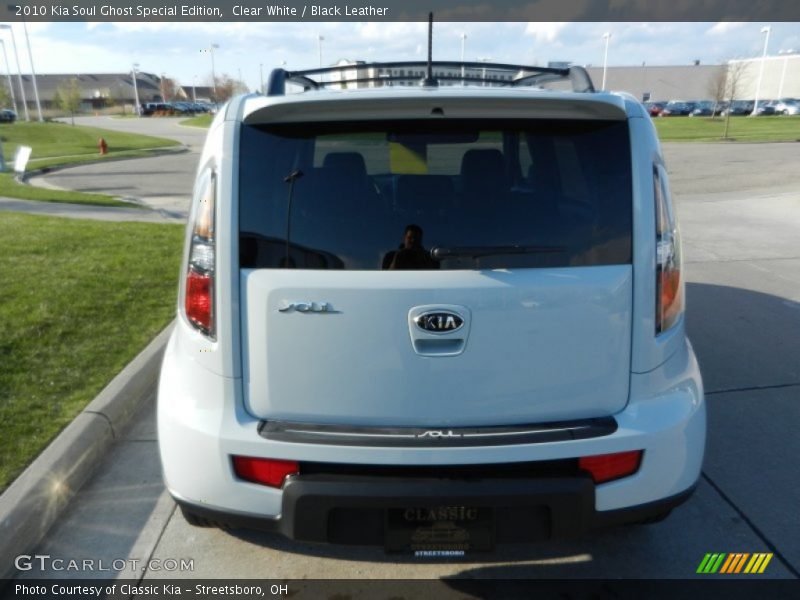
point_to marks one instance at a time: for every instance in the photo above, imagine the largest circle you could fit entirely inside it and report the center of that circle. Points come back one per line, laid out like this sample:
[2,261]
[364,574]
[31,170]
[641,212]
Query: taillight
[607,467]
[265,471]
[199,281]
[669,287]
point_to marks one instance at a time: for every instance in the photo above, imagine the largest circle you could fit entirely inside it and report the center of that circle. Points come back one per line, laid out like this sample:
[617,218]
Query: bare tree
[716,88]
[5,98]
[69,98]
[226,87]
[169,89]
[734,74]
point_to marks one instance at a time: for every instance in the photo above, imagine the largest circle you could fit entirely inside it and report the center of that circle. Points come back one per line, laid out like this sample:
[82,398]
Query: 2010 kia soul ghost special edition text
[431,317]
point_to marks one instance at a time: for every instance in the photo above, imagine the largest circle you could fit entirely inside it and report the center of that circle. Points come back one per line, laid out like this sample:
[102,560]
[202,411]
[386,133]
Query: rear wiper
[477,251]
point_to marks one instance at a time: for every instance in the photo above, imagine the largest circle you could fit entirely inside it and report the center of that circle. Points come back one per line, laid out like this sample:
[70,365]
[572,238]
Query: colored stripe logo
[736,562]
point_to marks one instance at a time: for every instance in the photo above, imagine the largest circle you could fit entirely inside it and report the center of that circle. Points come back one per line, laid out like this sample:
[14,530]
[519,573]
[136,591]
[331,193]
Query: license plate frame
[439,530]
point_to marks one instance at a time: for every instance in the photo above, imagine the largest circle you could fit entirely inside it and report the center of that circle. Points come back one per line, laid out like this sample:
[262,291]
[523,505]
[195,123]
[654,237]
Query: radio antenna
[429,81]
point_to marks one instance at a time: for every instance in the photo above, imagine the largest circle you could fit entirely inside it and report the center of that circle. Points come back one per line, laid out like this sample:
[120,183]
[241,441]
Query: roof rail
[523,75]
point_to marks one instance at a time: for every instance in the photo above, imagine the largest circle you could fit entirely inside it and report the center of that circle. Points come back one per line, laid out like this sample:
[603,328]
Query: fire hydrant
[103,146]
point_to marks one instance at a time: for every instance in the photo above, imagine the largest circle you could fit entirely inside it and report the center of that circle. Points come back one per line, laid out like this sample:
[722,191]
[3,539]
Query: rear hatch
[450,272]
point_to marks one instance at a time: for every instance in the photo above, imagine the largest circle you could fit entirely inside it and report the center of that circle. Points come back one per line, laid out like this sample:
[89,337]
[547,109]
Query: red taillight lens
[199,292]
[266,471]
[607,467]
[199,283]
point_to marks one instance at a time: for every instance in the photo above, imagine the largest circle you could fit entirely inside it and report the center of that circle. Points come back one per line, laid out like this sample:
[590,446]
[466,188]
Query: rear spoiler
[493,104]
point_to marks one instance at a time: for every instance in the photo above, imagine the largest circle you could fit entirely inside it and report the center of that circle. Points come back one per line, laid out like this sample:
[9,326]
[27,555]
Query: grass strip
[56,139]
[80,299]
[779,128]
[203,121]
[10,188]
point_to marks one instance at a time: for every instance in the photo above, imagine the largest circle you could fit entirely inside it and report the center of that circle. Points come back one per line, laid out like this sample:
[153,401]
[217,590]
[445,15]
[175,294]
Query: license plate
[439,530]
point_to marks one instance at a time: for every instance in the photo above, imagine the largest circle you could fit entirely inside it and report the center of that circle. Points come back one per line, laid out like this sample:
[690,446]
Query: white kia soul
[431,317]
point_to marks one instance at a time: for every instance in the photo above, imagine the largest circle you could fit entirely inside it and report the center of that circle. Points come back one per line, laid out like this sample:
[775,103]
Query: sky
[174,49]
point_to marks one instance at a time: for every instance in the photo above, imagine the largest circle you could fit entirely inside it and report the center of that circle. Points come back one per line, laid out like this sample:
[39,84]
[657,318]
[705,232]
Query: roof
[95,85]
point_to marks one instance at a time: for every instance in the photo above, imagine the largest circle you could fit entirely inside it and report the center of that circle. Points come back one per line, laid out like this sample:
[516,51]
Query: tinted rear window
[381,195]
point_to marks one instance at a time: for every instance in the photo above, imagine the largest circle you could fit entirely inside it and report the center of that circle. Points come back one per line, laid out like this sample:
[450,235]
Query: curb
[36,499]
[156,152]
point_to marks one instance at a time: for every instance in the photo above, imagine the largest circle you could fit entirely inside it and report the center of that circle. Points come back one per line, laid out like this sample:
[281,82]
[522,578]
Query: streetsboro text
[165,589]
[107,10]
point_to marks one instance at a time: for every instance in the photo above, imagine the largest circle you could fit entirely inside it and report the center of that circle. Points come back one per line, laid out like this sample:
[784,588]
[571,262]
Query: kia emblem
[439,322]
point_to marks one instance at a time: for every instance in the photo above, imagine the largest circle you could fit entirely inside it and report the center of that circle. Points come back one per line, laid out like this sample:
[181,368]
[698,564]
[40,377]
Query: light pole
[194,89]
[19,71]
[136,91]
[463,47]
[211,49]
[785,54]
[766,30]
[33,72]
[8,76]
[483,71]
[606,37]
[320,39]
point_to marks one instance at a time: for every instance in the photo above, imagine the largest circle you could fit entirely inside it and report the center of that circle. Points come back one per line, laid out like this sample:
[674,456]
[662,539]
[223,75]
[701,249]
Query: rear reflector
[199,299]
[607,467]
[266,471]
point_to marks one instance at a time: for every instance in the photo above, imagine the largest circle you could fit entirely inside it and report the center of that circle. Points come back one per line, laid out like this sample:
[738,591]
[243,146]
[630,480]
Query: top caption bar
[400,10]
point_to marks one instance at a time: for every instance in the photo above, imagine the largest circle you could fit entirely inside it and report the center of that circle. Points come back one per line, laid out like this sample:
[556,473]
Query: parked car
[739,108]
[704,108]
[184,108]
[158,109]
[209,107]
[676,108]
[720,108]
[430,309]
[654,108]
[7,116]
[788,106]
[766,108]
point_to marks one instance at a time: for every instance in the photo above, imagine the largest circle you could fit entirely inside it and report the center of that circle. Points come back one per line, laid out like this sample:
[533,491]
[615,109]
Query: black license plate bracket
[440,530]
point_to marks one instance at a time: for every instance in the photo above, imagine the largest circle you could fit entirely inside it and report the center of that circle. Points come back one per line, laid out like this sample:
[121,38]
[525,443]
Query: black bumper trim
[321,508]
[436,437]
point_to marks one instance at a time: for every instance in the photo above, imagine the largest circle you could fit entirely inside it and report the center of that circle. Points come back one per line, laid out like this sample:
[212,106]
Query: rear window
[485,195]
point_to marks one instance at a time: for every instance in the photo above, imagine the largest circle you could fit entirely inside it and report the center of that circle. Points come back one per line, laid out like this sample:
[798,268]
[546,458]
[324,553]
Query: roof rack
[523,75]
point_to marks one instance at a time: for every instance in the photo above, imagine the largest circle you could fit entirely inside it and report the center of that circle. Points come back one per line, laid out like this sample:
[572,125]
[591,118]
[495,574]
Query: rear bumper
[353,510]
[202,423]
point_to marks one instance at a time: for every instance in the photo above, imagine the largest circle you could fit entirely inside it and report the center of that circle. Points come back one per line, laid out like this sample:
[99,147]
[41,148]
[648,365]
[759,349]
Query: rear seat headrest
[351,163]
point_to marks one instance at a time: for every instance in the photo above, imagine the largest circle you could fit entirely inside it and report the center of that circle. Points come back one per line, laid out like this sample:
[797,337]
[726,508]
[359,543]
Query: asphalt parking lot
[162,182]
[739,207]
